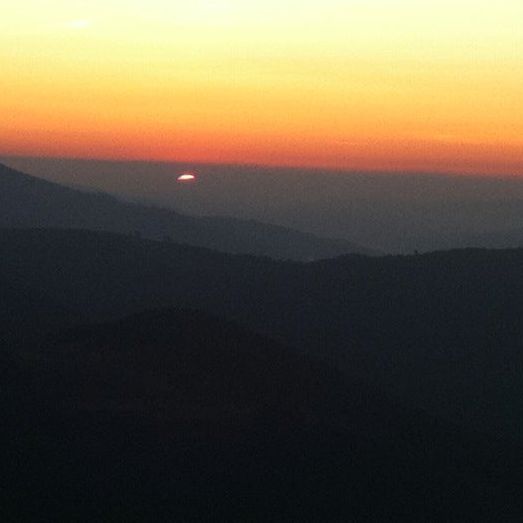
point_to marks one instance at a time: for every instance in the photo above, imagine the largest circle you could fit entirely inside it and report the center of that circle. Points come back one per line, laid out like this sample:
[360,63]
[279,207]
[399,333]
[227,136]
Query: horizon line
[279,166]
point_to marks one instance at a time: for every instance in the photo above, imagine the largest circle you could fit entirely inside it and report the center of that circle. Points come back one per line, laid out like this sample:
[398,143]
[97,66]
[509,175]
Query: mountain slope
[442,331]
[177,414]
[390,211]
[30,202]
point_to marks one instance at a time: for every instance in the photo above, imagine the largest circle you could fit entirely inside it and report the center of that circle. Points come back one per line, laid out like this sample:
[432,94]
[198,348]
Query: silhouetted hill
[176,414]
[441,331]
[189,365]
[30,202]
[498,239]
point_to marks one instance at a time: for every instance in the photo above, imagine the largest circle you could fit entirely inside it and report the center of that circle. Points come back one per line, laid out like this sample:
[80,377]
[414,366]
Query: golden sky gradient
[370,84]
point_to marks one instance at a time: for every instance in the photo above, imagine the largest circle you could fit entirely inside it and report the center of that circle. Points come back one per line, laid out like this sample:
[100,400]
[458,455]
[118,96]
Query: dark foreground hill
[26,201]
[176,415]
[441,331]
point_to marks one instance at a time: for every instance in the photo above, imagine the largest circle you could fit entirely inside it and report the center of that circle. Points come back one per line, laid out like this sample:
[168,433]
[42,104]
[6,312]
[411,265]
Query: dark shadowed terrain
[145,379]
[441,330]
[175,414]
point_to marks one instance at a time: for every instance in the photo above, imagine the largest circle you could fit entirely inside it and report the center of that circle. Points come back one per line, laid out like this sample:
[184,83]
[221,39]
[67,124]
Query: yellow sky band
[373,84]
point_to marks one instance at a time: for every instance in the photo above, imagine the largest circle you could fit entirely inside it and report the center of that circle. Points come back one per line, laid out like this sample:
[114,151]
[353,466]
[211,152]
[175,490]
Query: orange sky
[367,84]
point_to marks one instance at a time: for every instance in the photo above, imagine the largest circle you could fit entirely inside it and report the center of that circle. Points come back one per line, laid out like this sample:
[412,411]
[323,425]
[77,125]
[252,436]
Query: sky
[349,84]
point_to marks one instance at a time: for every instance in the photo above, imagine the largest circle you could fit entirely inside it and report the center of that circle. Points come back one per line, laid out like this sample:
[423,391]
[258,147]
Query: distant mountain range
[26,201]
[389,211]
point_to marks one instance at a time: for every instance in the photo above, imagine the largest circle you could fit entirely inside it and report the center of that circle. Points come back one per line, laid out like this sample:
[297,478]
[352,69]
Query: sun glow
[368,84]
[187,177]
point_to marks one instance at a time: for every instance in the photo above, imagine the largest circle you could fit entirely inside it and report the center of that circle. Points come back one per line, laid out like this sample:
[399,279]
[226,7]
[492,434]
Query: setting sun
[187,177]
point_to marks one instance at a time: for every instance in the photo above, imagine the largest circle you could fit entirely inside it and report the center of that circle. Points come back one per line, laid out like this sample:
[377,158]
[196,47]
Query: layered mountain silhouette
[26,201]
[152,380]
[390,211]
[441,331]
[178,414]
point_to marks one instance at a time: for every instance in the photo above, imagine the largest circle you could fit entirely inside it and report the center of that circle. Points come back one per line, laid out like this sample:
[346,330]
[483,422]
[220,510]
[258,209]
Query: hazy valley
[388,212]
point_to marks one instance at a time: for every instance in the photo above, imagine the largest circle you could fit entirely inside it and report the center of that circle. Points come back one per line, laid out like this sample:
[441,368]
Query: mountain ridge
[27,202]
[436,329]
